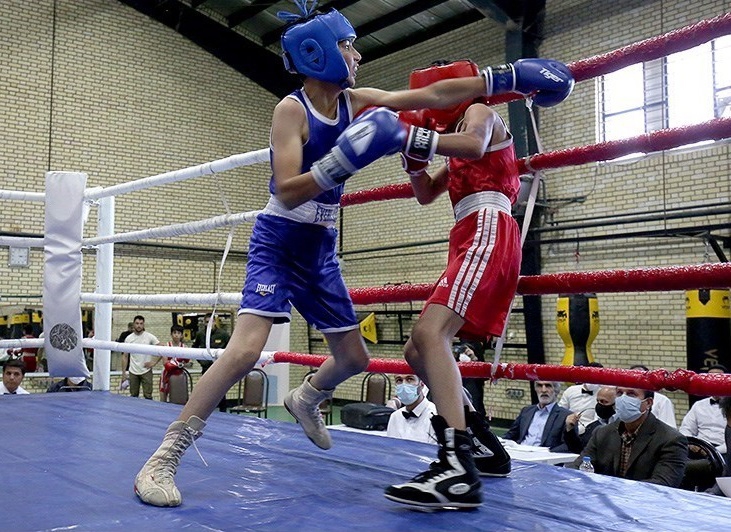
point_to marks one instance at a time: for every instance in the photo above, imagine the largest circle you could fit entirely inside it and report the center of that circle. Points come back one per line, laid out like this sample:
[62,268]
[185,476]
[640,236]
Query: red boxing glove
[421,142]
[416,118]
[413,167]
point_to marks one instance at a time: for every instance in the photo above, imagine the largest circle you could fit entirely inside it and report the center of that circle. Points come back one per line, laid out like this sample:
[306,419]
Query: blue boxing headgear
[311,47]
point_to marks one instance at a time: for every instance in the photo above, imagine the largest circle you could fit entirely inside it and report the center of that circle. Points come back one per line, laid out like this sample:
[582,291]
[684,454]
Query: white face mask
[628,408]
[592,387]
[407,393]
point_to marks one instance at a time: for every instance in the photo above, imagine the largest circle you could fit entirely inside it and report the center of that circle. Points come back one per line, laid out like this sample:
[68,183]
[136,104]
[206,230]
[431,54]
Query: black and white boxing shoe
[453,482]
[491,458]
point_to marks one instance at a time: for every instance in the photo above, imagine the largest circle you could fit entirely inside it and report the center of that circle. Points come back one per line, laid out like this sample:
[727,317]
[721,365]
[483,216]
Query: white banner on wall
[62,274]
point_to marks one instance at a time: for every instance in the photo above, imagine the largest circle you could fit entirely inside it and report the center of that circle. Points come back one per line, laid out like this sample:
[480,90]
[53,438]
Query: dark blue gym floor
[70,461]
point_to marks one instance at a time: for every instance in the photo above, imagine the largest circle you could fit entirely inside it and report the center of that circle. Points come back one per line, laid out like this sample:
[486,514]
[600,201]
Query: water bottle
[586,465]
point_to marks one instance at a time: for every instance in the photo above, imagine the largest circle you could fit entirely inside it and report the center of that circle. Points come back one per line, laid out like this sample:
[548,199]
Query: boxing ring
[76,454]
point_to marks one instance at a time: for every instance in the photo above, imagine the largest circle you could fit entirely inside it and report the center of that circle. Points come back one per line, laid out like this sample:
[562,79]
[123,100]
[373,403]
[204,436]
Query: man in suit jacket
[542,424]
[637,445]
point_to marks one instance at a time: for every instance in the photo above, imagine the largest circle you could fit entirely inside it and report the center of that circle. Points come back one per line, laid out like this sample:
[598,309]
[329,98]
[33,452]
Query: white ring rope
[22,242]
[19,195]
[141,349]
[21,342]
[198,353]
[226,298]
[167,231]
[220,165]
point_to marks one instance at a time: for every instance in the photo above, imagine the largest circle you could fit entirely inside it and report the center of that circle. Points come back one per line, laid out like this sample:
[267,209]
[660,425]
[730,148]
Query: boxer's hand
[550,80]
[372,135]
[413,167]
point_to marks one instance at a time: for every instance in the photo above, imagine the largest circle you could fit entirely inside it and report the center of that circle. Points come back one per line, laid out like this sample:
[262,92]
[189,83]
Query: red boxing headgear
[443,120]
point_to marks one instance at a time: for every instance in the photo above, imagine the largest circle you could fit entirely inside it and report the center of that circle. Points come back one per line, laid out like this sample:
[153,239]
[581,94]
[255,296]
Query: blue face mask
[407,393]
[628,408]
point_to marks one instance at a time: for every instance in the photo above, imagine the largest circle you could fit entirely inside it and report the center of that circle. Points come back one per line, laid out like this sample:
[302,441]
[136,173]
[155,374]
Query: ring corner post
[104,285]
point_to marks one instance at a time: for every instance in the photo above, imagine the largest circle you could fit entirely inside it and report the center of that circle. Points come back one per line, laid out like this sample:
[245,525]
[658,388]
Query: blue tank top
[323,134]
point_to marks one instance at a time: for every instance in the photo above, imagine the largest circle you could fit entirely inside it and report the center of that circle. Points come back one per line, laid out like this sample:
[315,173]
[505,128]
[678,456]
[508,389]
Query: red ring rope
[653,48]
[680,379]
[717,275]
[664,139]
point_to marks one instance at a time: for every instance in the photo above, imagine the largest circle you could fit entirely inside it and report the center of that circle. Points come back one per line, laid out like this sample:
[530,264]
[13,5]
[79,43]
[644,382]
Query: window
[681,89]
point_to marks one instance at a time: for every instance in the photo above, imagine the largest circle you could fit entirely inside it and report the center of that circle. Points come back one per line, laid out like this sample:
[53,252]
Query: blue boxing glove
[369,137]
[551,80]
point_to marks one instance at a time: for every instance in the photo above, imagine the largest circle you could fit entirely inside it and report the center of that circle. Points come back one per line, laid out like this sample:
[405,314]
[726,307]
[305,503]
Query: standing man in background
[140,366]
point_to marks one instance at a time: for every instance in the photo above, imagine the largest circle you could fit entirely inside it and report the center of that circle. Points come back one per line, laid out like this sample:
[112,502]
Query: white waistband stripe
[481,200]
[310,212]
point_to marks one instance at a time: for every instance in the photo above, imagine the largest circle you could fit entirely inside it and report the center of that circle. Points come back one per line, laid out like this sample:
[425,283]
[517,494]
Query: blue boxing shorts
[293,263]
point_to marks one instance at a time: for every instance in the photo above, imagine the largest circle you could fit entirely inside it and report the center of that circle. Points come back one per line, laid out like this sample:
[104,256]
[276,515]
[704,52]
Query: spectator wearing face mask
[637,446]
[472,351]
[662,407]
[581,399]
[604,410]
[413,420]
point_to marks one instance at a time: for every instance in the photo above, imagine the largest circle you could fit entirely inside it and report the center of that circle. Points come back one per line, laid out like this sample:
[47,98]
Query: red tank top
[496,171]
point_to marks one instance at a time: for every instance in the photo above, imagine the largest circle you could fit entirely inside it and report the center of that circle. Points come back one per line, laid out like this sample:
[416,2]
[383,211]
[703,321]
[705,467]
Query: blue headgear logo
[311,48]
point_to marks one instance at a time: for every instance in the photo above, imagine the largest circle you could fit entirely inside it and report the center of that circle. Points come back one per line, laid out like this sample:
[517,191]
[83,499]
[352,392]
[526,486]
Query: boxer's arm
[289,132]
[369,137]
[480,128]
[428,187]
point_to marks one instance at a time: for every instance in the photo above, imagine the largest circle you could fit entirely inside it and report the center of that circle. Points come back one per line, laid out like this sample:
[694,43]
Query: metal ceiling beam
[436,30]
[394,17]
[246,12]
[494,10]
[273,36]
[232,48]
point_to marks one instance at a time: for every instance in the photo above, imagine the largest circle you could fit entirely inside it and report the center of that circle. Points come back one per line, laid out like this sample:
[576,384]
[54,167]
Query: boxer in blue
[321,135]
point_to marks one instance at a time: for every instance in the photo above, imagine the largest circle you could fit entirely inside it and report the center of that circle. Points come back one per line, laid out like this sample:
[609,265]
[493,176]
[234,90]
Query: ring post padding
[62,274]
[104,282]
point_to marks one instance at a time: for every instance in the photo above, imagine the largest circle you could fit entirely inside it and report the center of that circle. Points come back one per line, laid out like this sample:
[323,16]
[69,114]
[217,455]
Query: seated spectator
[472,351]
[637,445]
[542,424]
[705,420]
[413,420]
[725,406]
[604,410]
[662,407]
[580,399]
[70,384]
[13,373]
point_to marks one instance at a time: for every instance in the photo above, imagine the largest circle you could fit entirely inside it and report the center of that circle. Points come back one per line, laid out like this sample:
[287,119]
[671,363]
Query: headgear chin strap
[311,48]
[444,120]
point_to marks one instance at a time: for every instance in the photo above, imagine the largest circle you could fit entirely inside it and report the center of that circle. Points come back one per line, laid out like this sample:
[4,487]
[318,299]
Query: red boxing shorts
[482,272]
